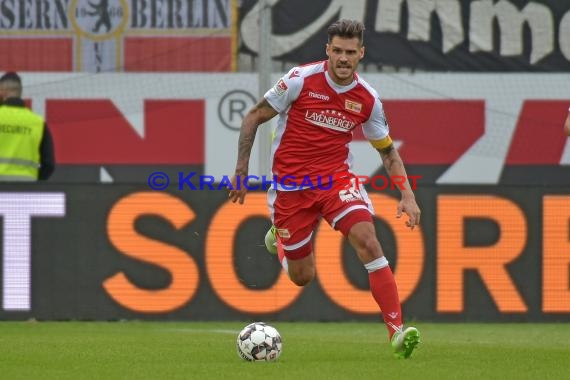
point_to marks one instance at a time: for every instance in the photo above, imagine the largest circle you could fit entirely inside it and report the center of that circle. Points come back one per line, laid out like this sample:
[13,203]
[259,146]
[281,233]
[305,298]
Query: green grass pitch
[350,350]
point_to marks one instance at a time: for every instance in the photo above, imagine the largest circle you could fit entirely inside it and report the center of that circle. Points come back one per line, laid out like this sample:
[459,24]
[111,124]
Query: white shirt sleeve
[376,127]
[285,91]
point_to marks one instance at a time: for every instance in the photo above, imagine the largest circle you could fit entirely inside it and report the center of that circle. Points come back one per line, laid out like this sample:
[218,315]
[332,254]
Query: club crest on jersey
[281,87]
[352,106]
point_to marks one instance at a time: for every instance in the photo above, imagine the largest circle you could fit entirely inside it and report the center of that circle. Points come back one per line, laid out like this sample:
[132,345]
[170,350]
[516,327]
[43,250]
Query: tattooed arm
[397,172]
[259,114]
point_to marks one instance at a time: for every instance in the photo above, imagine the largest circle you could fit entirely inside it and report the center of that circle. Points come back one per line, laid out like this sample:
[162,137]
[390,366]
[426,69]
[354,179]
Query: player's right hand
[238,191]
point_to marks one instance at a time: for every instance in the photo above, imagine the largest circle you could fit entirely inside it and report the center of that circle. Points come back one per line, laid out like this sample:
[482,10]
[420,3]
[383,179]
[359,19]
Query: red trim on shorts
[355,216]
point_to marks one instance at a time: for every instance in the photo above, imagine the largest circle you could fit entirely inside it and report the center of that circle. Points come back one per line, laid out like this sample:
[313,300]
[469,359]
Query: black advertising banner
[108,252]
[432,35]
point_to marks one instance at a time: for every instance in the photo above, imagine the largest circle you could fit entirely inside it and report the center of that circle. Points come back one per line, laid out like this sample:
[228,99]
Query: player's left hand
[409,206]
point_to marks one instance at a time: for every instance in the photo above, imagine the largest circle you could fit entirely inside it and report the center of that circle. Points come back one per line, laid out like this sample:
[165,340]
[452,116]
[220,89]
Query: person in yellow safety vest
[26,145]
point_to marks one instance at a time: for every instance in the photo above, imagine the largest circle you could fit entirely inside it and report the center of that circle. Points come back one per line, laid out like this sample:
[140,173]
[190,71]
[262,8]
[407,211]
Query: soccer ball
[259,341]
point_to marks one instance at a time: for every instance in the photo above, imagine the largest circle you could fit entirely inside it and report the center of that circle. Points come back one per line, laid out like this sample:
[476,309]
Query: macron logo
[294,74]
[319,96]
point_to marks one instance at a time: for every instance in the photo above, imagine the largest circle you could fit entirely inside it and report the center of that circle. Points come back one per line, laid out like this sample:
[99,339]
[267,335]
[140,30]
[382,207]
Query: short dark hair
[346,29]
[11,76]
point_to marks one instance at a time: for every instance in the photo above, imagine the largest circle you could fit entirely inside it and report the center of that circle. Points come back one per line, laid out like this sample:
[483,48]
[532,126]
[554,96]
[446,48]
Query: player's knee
[303,276]
[301,264]
[368,248]
[368,243]
[300,281]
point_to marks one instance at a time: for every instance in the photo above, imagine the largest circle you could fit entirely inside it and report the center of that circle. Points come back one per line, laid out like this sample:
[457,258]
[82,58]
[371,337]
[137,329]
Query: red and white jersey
[316,121]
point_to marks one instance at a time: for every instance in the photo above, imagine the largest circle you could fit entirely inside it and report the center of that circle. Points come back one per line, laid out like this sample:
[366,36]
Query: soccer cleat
[404,342]
[271,240]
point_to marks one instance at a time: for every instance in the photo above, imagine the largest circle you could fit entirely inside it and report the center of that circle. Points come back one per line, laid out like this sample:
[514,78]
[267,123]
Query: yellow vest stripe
[18,161]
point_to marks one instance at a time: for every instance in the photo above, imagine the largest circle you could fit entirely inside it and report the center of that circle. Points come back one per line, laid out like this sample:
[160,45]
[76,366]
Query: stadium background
[475,91]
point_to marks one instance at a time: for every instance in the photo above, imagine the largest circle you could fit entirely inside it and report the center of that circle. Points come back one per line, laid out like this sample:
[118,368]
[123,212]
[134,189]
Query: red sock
[385,293]
[281,256]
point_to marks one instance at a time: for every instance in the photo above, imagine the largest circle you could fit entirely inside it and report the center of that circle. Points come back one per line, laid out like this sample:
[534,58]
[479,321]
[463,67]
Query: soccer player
[319,105]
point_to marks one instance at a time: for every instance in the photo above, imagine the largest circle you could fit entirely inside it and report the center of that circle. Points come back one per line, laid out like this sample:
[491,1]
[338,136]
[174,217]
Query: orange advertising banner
[482,253]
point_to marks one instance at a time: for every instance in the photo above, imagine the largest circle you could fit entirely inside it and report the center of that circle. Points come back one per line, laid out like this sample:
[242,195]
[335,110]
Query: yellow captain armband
[382,143]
